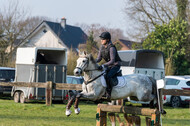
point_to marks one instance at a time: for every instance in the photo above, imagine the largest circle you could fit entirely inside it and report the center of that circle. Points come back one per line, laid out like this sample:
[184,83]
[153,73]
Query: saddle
[114,80]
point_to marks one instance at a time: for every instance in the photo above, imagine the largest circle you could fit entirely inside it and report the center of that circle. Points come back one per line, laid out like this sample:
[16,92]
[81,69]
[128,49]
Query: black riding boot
[109,88]
[108,91]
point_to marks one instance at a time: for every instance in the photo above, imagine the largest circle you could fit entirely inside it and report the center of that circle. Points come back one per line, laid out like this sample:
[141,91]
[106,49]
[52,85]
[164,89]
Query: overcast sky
[105,12]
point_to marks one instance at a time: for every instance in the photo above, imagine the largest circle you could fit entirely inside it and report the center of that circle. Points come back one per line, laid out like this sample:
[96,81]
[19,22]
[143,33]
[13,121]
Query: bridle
[82,69]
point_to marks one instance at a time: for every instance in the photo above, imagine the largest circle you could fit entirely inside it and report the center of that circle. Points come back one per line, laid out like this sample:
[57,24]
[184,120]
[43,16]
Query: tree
[97,29]
[181,9]
[72,58]
[12,24]
[15,25]
[146,14]
[183,15]
[169,39]
[90,43]
[150,15]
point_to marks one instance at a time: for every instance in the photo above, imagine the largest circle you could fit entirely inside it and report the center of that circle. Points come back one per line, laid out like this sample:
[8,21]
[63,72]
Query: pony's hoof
[77,111]
[68,112]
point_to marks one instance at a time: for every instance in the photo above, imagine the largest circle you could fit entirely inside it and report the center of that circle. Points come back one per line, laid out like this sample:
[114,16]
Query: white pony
[139,85]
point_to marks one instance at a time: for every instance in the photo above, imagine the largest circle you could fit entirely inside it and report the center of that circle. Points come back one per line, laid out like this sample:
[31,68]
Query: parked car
[177,82]
[73,80]
[7,74]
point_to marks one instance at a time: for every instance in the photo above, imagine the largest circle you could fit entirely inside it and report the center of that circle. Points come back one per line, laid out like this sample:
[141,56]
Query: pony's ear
[82,54]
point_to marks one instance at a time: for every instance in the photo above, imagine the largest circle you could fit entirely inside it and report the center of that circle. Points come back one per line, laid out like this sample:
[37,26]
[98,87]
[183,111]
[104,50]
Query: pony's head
[85,62]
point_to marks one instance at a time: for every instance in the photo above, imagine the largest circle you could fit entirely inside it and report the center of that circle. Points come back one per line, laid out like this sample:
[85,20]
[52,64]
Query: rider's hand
[100,67]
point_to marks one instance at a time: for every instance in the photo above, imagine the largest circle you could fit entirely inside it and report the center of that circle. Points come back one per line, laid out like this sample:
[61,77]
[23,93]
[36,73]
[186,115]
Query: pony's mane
[91,58]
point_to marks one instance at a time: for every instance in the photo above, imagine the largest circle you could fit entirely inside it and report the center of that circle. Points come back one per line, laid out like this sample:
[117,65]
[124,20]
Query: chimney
[63,22]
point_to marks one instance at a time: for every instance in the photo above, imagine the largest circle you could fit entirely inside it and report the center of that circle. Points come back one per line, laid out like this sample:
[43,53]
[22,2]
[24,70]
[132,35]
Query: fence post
[155,119]
[49,93]
[148,121]
[101,118]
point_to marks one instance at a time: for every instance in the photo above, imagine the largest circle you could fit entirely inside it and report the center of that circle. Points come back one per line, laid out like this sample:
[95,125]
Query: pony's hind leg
[69,104]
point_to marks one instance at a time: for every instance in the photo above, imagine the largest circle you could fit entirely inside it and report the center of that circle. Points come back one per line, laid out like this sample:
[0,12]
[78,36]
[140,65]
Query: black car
[7,74]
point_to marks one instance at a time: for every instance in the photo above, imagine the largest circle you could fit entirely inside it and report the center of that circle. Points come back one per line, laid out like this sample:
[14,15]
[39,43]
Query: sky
[105,12]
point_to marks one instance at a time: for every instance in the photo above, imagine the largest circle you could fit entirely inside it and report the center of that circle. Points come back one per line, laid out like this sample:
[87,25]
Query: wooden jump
[131,115]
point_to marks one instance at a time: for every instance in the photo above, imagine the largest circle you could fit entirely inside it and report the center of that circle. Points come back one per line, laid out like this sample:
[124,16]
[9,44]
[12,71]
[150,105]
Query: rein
[89,81]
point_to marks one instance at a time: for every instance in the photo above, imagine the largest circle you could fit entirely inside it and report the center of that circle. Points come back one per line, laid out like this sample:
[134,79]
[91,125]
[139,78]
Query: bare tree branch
[148,13]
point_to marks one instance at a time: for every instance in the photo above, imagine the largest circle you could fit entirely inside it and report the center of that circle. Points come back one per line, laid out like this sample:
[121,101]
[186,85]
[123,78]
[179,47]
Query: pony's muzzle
[77,72]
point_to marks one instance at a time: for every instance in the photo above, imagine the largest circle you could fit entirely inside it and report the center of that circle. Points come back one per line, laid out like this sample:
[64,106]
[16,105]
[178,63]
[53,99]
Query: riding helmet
[105,35]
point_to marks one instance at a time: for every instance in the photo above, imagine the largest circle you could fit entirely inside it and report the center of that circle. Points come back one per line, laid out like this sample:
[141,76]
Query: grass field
[38,114]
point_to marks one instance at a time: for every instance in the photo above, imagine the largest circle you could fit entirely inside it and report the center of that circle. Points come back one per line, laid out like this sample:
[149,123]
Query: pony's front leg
[77,109]
[69,104]
[84,95]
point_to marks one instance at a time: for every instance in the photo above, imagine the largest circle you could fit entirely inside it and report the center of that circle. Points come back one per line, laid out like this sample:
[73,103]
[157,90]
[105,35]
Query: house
[58,35]
[125,44]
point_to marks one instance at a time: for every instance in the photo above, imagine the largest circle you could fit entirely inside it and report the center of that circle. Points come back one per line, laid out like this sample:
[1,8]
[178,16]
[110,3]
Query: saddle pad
[121,81]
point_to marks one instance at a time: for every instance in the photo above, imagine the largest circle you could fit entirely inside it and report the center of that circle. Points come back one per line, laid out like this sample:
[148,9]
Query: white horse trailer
[148,62]
[39,64]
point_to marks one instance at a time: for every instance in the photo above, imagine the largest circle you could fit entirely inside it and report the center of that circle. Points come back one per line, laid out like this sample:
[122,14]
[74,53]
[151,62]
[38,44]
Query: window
[69,80]
[172,81]
[44,31]
[188,83]
[7,74]
[75,81]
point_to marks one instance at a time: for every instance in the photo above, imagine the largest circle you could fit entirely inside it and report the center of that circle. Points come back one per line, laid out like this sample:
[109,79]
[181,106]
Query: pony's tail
[154,101]
[160,84]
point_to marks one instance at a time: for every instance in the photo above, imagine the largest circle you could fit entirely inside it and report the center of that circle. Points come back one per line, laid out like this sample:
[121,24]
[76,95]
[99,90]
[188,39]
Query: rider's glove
[100,67]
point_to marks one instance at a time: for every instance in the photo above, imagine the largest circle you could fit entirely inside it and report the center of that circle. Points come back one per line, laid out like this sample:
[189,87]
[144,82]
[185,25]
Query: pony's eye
[83,61]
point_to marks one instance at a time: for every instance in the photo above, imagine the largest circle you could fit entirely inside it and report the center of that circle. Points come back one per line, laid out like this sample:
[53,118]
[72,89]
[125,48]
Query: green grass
[38,114]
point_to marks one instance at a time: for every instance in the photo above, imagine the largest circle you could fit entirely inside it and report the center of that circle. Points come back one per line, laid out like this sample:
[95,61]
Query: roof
[126,42]
[70,35]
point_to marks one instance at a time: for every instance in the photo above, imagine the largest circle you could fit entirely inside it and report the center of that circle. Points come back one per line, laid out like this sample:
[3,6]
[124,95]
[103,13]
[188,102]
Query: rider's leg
[111,73]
